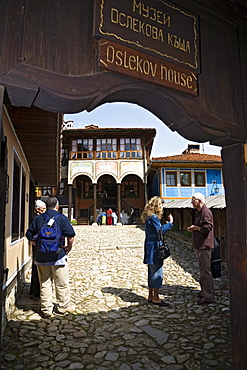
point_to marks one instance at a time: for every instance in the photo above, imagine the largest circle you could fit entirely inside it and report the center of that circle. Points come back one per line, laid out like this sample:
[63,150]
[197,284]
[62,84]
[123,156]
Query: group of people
[54,267]
[108,217]
[202,240]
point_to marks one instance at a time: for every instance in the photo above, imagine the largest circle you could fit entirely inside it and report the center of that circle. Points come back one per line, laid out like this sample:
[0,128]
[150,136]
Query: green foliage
[188,234]
[73,222]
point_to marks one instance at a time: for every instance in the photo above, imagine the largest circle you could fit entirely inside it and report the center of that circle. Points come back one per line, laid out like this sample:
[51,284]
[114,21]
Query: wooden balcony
[128,154]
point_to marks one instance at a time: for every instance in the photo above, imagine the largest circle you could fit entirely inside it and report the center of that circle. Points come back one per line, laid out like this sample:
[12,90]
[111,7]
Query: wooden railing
[128,154]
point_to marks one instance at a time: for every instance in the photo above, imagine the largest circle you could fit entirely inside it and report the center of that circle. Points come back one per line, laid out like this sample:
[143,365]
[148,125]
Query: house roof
[94,128]
[189,157]
[188,160]
[212,201]
[92,131]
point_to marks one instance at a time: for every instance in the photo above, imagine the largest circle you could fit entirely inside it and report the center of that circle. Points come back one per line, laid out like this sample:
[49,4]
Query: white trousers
[60,276]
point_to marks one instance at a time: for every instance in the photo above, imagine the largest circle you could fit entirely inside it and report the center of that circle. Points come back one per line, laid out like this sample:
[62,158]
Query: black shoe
[162,303]
[202,301]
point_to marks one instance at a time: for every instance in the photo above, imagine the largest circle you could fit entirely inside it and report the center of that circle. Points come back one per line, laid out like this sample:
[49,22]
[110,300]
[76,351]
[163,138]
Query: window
[130,189]
[185,178]
[61,188]
[99,188]
[82,149]
[130,148]
[171,178]
[16,200]
[199,178]
[106,148]
[46,191]
[88,190]
[23,199]
[64,161]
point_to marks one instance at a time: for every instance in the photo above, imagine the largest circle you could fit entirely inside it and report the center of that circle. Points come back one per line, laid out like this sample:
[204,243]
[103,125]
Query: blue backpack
[50,236]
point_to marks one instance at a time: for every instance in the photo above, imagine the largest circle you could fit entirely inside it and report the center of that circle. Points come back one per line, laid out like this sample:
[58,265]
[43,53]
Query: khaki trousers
[60,276]
[206,280]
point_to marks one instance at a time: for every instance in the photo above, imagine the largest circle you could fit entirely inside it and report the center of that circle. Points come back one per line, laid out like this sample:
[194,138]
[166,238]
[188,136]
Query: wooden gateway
[184,61]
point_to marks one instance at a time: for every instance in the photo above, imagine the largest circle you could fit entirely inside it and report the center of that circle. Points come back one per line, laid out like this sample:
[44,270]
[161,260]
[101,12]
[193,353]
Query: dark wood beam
[235,174]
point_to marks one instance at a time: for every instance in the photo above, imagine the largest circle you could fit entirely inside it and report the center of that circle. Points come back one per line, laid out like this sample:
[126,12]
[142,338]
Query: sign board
[130,62]
[155,27]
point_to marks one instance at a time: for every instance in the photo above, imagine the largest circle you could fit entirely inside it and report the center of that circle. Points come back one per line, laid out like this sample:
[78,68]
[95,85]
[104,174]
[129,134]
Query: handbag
[164,250]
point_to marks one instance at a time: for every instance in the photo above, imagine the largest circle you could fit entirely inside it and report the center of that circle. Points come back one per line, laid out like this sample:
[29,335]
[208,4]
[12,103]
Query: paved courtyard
[114,327]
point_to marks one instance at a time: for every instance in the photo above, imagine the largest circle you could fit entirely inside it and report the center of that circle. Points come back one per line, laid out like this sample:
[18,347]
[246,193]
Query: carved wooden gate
[185,63]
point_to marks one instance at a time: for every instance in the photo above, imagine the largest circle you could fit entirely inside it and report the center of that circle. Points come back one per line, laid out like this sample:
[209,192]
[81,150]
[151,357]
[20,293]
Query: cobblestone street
[114,327]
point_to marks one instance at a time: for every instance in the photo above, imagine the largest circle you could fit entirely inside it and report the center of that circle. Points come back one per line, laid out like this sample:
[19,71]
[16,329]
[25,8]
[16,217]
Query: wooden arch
[50,60]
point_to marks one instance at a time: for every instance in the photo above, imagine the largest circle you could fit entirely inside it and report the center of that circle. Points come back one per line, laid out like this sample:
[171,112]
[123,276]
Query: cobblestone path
[114,327]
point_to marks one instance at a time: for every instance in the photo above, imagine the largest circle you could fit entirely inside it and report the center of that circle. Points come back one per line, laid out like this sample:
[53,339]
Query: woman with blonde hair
[151,216]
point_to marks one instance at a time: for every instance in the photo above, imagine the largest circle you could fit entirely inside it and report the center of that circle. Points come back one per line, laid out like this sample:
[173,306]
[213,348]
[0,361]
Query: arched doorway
[133,194]
[107,190]
[36,71]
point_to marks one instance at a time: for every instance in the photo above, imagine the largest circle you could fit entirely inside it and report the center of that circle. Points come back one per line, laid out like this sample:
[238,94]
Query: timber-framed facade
[104,168]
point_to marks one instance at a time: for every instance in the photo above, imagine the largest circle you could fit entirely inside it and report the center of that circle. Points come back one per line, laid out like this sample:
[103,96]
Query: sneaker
[69,309]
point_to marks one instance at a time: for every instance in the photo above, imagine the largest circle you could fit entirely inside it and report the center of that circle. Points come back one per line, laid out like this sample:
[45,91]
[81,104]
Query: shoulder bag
[164,250]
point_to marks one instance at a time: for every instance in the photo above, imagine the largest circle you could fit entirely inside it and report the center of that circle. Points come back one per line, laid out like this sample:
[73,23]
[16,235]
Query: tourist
[151,215]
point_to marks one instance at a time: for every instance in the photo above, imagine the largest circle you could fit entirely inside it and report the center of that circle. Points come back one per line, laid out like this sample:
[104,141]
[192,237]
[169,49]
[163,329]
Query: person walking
[53,266]
[203,243]
[151,216]
[103,218]
[40,207]
[132,216]
[114,218]
[109,216]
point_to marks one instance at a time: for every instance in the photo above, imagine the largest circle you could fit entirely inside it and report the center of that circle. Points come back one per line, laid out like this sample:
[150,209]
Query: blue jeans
[155,276]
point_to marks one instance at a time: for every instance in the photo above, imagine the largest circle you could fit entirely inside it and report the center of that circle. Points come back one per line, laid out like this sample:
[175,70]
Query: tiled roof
[96,128]
[190,157]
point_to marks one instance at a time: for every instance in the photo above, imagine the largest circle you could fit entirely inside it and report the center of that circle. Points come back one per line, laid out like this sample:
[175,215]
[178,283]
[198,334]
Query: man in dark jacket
[203,244]
[52,266]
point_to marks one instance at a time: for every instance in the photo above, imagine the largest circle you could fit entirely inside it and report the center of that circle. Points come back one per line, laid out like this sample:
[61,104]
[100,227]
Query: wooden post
[94,202]
[118,202]
[145,175]
[235,174]
[69,201]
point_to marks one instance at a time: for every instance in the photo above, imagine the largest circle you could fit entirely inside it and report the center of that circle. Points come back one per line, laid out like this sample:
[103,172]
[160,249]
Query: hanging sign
[121,59]
[155,27]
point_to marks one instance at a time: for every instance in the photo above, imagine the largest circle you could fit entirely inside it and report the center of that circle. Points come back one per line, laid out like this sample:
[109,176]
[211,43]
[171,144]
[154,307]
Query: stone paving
[114,327]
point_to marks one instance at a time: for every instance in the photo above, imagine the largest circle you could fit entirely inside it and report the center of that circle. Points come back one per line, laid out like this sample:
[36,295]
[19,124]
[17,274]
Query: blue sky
[127,115]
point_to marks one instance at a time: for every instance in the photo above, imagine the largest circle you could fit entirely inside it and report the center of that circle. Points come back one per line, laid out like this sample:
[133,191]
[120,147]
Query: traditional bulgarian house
[176,178]
[104,168]
[179,176]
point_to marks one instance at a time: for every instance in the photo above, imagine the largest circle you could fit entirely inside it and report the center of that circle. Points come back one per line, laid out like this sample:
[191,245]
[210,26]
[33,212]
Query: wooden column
[119,201]
[94,202]
[235,175]
[145,176]
[69,201]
